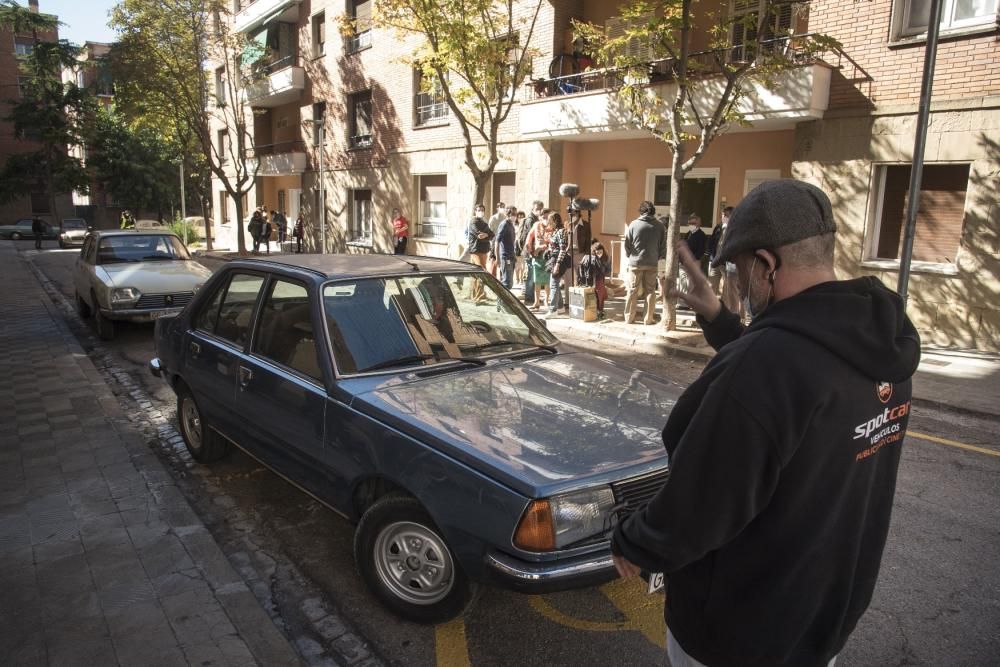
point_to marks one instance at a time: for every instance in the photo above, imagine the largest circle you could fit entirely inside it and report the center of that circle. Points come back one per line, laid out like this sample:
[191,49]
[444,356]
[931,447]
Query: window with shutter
[638,48]
[939,219]
[433,189]
[755,177]
[744,22]
[912,16]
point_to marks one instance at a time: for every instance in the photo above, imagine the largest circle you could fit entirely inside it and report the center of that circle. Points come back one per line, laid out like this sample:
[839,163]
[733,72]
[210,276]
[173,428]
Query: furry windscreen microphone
[569,190]
[586,204]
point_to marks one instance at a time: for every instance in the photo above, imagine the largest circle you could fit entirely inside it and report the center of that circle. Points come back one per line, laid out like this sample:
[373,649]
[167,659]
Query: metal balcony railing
[362,40]
[261,150]
[361,141]
[703,63]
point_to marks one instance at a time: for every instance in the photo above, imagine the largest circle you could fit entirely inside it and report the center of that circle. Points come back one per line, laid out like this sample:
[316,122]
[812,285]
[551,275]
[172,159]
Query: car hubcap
[414,563]
[192,422]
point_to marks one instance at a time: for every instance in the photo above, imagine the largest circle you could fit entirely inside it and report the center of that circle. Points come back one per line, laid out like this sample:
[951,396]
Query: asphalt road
[937,601]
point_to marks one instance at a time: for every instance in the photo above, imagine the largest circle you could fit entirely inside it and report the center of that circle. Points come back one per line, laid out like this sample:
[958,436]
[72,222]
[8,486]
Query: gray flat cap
[776,213]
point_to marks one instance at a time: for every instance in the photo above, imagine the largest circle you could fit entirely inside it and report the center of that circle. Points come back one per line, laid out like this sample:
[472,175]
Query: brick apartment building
[12,48]
[845,122]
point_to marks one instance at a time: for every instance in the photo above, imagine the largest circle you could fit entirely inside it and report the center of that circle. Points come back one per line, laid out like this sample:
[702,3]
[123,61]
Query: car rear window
[236,310]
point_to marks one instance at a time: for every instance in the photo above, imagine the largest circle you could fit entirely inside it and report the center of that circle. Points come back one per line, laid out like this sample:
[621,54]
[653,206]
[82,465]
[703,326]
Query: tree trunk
[241,245]
[205,213]
[673,233]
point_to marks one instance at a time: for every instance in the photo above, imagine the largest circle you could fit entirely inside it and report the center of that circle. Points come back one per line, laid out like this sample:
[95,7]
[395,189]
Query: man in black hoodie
[783,454]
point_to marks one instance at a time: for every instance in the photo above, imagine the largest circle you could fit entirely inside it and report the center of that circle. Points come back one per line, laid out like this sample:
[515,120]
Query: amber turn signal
[536,531]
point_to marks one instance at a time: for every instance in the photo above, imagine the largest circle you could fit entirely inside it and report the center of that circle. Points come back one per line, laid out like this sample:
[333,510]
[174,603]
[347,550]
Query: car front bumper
[550,576]
[140,314]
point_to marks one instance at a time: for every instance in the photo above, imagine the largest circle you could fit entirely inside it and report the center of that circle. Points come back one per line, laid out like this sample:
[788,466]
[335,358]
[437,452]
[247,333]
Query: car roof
[363,266]
[132,232]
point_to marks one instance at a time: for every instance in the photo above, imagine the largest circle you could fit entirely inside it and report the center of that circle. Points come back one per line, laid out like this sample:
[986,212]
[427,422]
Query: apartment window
[222,142]
[105,84]
[361,37]
[429,103]
[745,25]
[360,223]
[319,114]
[433,206]
[360,110]
[223,207]
[80,82]
[913,16]
[319,34]
[617,26]
[220,87]
[939,218]
[614,204]
[23,47]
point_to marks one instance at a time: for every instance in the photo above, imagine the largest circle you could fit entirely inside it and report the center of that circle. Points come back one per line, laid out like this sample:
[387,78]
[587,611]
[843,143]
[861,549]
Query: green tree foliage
[161,60]
[703,91]
[136,164]
[474,52]
[50,113]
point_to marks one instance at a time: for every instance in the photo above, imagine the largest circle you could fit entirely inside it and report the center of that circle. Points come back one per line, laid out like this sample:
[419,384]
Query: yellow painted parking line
[539,604]
[643,611]
[450,646]
[951,443]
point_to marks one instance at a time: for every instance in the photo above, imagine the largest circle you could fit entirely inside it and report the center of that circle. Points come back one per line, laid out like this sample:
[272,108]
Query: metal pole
[322,188]
[917,172]
[183,208]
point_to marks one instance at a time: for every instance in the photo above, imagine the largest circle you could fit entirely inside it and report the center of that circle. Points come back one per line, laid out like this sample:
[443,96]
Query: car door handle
[195,348]
[245,376]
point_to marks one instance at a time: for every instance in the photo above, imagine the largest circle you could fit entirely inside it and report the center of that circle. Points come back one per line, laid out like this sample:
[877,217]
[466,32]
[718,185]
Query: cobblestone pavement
[104,561]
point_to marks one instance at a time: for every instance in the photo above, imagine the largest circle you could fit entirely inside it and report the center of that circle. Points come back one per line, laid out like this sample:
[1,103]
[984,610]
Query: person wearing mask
[537,244]
[255,228]
[478,237]
[504,249]
[594,269]
[529,274]
[520,236]
[645,244]
[697,241]
[400,232]
[783,453]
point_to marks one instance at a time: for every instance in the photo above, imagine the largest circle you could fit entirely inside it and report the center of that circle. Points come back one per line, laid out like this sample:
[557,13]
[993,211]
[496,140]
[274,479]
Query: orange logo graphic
[884,391]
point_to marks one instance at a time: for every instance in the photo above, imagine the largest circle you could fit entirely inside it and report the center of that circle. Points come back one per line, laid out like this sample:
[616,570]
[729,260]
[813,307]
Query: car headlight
[554,523]
[123,297]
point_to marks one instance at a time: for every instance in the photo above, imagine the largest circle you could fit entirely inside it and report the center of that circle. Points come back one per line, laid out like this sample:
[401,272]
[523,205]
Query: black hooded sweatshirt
[783,458]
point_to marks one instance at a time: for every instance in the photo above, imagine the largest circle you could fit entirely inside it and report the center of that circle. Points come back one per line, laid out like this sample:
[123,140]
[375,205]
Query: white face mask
[693,227]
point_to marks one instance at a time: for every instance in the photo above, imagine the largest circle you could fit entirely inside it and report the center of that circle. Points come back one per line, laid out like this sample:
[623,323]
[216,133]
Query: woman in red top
[400,231]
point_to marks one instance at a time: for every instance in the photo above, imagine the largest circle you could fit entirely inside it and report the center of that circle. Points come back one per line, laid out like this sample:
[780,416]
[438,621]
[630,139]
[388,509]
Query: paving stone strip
[245,580]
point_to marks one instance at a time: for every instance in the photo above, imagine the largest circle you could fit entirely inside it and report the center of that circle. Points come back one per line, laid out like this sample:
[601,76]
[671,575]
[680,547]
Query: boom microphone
[586,204]
[569,190]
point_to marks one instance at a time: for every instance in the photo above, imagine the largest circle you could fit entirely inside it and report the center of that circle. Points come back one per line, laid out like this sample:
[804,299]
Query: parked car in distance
[73,232]
[467,444]
[22,230]
[149,224]
[134,275]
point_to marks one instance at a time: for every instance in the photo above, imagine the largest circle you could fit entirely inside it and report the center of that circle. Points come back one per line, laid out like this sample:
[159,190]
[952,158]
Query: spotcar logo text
[889,429]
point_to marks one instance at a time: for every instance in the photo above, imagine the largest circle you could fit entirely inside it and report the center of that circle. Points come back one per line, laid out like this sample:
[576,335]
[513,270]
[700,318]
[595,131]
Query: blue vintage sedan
[420,399]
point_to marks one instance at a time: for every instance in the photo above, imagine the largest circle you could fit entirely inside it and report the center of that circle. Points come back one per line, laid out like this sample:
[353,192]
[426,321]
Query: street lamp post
[183,207]
[321,142]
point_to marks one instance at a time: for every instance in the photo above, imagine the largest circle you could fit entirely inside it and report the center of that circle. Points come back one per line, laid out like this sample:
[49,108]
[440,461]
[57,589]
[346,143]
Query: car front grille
[164,300]
[633,494]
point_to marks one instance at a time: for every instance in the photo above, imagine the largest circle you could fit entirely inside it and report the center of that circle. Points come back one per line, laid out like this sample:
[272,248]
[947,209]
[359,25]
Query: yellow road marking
[450,646]
[952,443]
[643,611]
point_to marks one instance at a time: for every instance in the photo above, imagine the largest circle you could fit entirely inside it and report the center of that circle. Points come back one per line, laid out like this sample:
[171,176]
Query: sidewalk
[103,560]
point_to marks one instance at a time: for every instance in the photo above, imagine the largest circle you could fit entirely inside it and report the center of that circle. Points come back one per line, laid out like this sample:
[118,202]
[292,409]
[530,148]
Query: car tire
[426,586]
[16,236]
[82,309]
[105,327]
[62,244]
[204,444]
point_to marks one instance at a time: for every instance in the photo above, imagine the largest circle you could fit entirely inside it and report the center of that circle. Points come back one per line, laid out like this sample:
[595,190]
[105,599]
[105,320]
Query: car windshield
[74,224]
[140,248]
[391,323]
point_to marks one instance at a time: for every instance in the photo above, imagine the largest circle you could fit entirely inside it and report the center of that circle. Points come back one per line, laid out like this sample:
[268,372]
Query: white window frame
[701,172]
[873,226]
[360,218]
[901,30]
[318,21]
[421,219]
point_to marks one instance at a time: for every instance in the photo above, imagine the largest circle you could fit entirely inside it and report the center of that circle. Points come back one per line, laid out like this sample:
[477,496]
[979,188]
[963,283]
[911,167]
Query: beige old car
[138,275]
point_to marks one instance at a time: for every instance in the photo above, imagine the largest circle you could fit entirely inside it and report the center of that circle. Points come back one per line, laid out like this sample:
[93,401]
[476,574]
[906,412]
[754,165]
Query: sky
[84,20]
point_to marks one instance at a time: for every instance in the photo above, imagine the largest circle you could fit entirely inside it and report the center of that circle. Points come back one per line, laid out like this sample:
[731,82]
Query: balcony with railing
[575,106]
[358,42]
[285,158]
[274,83]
